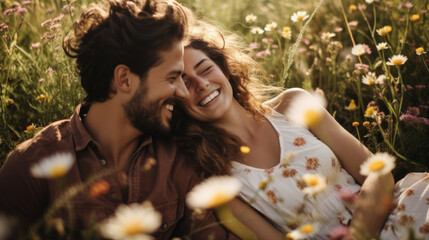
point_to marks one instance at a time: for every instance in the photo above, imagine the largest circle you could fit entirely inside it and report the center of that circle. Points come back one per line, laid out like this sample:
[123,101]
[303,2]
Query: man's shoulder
[55,137]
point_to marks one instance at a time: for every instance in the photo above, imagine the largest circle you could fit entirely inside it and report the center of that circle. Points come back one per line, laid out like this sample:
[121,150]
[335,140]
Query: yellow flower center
[133,228]
[219,199]
[397,62]
[306,229]
[299,18]
[312,181]
[286,29]
[365,124]
[377,165]
[312,118]
[58,171]
[355,124]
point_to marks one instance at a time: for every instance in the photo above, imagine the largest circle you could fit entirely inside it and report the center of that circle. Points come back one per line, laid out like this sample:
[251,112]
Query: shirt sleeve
[22,195]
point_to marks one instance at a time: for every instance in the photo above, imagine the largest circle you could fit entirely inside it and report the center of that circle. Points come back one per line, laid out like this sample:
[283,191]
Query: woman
[226,113]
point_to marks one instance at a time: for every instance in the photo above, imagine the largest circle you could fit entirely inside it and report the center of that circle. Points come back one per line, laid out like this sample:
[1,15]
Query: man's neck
[113,132]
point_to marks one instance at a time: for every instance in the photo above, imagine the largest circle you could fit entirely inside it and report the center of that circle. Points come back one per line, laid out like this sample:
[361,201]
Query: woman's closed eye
[206,70]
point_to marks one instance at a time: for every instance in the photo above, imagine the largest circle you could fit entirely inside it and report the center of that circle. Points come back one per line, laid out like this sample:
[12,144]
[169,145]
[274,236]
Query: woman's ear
[122,78]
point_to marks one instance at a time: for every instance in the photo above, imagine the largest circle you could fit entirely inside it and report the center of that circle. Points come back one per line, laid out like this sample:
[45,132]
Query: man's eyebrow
[199,63]
[175,73]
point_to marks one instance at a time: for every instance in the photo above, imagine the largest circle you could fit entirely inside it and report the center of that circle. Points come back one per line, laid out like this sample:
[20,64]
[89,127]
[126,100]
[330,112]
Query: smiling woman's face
[210,92]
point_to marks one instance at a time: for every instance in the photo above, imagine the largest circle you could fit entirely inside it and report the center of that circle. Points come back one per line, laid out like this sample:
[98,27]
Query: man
[129,58]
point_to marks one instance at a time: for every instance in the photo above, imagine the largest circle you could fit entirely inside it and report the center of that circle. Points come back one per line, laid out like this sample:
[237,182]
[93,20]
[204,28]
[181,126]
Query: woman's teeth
[169,107]
[209,98]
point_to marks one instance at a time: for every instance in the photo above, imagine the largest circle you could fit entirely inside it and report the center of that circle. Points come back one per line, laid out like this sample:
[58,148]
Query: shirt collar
[81,136]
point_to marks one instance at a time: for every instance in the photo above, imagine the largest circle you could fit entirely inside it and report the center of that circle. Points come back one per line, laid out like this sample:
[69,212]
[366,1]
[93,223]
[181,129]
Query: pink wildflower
[267,40]
[409,87]
[35,45]
[420,86]
[339,233]
[28,2]
[254,45]
[413,111]
[7,11]
[338,29]
[353,23]
[41,80]
[362,7]
[47,22]
[3,26]
[367,49]
[20,10]
[263,53]
[362,66]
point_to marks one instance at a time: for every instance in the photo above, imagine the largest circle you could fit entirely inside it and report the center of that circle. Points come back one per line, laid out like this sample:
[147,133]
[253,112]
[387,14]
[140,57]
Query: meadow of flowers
[368,57]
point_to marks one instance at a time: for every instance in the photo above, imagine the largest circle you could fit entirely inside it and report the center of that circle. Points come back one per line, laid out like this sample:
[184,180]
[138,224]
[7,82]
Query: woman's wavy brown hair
[129,32]
[212,149]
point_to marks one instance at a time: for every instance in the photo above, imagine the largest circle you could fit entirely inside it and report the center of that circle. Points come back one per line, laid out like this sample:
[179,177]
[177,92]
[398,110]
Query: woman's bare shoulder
[281,102]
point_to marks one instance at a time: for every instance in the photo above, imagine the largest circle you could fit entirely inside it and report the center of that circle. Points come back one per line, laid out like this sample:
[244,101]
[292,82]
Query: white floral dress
[282,200]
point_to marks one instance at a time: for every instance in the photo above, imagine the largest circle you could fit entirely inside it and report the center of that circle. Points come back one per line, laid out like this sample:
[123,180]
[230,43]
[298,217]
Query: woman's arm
[248,216]
[374,201]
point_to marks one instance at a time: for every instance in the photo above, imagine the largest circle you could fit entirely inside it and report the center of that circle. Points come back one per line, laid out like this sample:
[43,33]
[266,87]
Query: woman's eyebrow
[199,63]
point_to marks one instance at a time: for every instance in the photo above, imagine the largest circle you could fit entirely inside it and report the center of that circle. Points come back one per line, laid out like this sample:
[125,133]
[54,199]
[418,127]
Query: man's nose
[181,91]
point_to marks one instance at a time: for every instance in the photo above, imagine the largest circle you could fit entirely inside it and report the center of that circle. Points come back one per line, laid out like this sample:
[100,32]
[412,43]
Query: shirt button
[103,162]
[164,226]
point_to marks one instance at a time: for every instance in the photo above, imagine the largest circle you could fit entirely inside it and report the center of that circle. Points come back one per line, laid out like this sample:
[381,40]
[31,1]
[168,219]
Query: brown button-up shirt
[156,172]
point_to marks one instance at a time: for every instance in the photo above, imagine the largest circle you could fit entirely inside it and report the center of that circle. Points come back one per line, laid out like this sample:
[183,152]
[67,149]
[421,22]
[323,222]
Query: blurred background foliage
[39,85]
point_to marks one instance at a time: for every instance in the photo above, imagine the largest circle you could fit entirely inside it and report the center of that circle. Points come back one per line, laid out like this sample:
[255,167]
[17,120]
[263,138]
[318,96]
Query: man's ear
[122,78]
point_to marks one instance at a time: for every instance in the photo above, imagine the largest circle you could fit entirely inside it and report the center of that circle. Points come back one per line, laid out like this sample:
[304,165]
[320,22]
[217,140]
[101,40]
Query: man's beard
[145,115]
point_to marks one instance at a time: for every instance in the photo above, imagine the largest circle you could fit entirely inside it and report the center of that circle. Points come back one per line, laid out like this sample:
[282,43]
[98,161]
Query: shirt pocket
[171,213]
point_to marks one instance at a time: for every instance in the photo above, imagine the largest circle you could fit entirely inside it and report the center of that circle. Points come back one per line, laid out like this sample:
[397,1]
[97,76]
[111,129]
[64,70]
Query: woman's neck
[239,122]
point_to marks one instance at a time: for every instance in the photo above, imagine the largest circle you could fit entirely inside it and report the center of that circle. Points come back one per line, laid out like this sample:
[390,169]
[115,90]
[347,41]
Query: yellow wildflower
[420,51]
[30,128]
[43,98]
[414,17]
[355,124]
[352,8]
[384,30]
[352,105]
[365,124]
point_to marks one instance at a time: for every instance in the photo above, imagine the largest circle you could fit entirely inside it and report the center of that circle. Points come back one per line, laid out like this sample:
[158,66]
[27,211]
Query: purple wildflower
[20,10]
[254,45]
[263,53]
[413,111]
[35,45]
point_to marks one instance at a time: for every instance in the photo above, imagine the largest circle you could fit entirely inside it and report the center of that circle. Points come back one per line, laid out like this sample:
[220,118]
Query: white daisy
[305,231]
[270,27]
[213,192]
[134,221]
[397,60]
[299,16]
[369,1]
[327,35]
[307,109]
[359,49]
[313,183]
[256,30]
[382,46]
[54,166]
[379,164]
[251,18]
[371,79]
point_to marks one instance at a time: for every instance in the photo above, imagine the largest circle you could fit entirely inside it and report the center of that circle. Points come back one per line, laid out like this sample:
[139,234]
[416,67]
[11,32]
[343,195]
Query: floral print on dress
[289,173]
[299,141]
[272,197]
[400,207]
[333,162]
[424,228]
[409,192]
[312,163]
[247,171]
[406,220]
[269,171]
